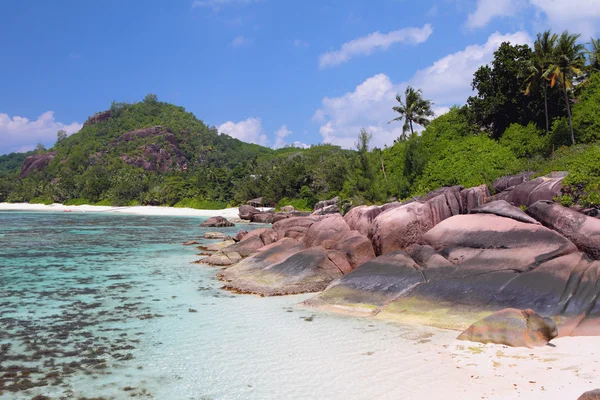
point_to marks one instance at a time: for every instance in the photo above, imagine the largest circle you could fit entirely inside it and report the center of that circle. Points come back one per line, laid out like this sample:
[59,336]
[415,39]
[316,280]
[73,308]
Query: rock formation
[449,259]
[217,222]
[516,328]
[36,162]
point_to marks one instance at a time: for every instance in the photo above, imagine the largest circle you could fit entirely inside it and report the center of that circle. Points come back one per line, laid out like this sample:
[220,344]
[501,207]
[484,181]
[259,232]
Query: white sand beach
[229,213]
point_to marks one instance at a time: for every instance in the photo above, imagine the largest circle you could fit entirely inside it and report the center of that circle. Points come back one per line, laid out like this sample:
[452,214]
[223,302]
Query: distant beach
[229,213]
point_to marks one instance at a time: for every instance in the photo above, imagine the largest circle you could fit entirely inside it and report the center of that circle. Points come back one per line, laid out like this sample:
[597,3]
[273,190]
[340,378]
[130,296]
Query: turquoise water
[111,306]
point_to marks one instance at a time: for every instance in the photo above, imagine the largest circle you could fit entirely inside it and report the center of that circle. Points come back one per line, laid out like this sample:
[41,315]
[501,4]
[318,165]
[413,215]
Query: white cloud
[280,136]
[487,10]
[581,16]
[367,44]
[19,133]
[248,130]
[240,41]
[446,82]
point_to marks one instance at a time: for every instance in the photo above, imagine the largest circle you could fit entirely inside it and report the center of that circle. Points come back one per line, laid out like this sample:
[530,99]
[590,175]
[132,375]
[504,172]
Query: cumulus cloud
[487,10]
[375,41]
[446,82]
[280,136]
[21,134]
[581,16]
[248,130]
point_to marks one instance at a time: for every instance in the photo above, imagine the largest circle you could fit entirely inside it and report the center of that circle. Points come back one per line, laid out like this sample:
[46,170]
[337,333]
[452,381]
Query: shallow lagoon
[104,305]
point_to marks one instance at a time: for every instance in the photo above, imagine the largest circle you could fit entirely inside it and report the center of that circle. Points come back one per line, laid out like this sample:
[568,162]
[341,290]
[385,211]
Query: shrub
[41,200]
[525,141]
[469,162]
[77,202]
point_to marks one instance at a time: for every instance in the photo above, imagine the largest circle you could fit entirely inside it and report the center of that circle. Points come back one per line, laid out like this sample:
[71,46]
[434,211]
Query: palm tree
[412,110]
[540,61]
[568,64]
[594,54]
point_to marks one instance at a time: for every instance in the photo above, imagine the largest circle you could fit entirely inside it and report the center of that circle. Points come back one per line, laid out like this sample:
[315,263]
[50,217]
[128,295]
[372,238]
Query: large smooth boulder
[36,162]
[246,212]
[263,218]
[360,218]
[295,227]
[400,227]
[470,266]
[332,229]
[590,395]
[217,222]
[512,327]
[504,209]
[325,203]
[542,188]
[234,252]
[268,255]
[507,182]
[332,209]
[473,197]
[582,230]
[370,287]
[306,271]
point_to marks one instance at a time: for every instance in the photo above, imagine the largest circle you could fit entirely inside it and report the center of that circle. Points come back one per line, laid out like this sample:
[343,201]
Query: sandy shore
[229,213]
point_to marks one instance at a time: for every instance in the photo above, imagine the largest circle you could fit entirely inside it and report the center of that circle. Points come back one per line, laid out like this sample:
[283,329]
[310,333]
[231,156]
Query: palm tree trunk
[568,109]
[411,128]
[546,106]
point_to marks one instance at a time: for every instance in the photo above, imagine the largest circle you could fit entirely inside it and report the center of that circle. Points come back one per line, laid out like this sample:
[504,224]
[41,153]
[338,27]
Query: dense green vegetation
[534,109]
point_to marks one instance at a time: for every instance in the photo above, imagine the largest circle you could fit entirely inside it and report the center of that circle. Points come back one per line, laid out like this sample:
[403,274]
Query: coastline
[229,213]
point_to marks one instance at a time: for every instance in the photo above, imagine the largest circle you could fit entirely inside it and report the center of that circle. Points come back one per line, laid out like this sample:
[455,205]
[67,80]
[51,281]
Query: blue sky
[272,72]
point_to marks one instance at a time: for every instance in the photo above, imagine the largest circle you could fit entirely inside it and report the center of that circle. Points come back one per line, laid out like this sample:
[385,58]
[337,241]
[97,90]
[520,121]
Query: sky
[272,72]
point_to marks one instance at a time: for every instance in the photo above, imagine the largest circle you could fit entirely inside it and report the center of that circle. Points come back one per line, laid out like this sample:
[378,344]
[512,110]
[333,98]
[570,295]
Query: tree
[538,64]
[568,64]
[414,109]
[594,54]
[61,135]
[40,148]
[151,98]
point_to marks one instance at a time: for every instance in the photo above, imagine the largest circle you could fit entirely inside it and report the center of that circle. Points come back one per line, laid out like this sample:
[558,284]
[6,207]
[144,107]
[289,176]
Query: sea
[112,306]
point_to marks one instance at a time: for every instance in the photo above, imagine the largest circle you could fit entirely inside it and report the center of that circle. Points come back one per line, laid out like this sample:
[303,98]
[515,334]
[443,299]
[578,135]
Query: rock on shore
[448,259]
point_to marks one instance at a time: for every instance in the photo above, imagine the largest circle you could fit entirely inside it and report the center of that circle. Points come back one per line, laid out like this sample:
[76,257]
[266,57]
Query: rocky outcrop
[98,117]
[360,218]
[332,209]
[324,203]
[246,212]
[263,218]
[36,163]
[503,209]
[399,227]
[473,197]
[447,259]
[305,256]
[469,266]
[582,230]
[507,182]
[240,235]
[591,395]
[217,222]
[512,327]
[216,235]
[160,155]
[542,188]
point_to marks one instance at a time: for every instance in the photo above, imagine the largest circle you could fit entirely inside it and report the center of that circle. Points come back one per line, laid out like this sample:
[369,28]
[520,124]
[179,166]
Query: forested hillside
[534,109]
